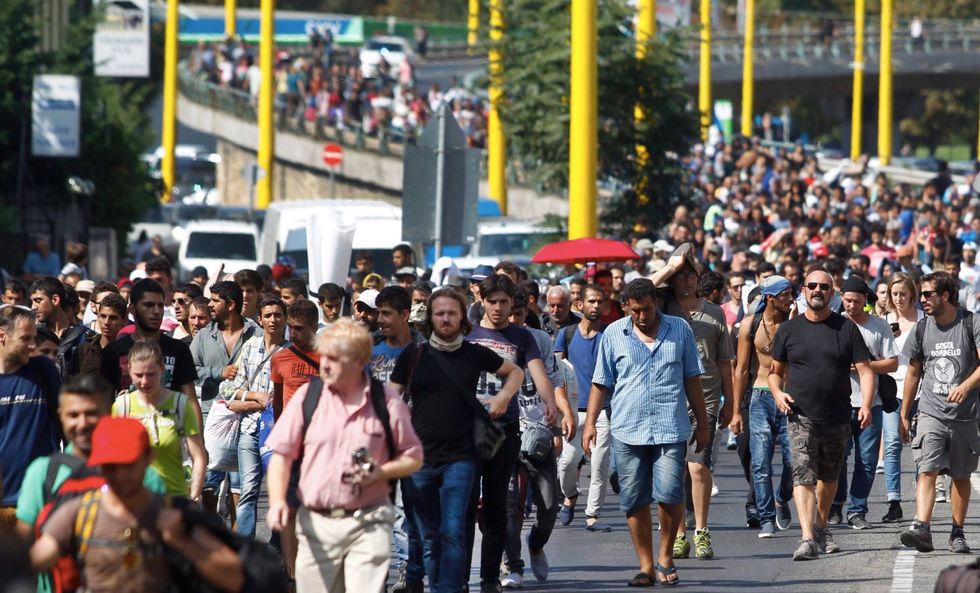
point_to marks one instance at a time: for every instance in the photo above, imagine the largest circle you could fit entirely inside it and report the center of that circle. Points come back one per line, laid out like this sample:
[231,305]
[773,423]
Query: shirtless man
[765,423]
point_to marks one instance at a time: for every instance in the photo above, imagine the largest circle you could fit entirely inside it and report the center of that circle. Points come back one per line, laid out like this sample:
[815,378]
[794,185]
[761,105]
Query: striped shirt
[647,395]
[253,375]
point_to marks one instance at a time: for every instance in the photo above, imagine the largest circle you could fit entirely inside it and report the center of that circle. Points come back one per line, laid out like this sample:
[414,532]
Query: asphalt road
[871,561]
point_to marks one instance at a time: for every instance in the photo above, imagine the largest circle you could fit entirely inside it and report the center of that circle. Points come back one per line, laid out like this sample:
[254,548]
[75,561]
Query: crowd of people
[831,314]
[320,85]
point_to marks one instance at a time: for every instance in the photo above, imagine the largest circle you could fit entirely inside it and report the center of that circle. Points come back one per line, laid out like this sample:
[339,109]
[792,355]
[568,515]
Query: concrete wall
[299,172]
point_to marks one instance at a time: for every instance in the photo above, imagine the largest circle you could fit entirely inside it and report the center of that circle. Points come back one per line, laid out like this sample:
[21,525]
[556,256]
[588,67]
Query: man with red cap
[119,531]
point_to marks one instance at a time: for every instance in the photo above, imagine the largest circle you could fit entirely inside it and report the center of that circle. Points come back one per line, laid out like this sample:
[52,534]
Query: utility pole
[496,141]
[267,91]
[583,131]
[748,69]
[646,29]
[857,92]
[230,9]
[473,24]
[704,85]
[440,174]
[169,131]
[885,86]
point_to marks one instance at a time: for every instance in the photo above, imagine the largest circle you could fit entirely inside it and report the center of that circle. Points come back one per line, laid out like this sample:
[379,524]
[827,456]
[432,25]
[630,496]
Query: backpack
[964,578]
[85,482]
[920,332]
[261,565]
[378,403]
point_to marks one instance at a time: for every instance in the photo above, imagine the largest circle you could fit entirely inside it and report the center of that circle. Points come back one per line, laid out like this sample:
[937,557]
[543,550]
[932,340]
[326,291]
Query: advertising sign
[121,45]
[55,115]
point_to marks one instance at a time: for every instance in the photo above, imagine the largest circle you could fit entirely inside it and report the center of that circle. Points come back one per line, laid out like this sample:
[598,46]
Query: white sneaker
[941,494]
[714,490]
[512,581]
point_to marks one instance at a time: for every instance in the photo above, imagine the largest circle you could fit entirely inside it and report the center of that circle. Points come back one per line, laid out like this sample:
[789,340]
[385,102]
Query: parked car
[393,50]
[213,243]
[506,239]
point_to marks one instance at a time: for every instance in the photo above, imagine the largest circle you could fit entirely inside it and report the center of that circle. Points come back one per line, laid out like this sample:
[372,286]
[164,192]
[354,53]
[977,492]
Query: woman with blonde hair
[902,314]
[170,419]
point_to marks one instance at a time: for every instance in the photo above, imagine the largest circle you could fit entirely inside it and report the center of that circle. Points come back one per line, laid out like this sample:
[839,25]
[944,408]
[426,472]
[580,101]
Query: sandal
[641,579]
[666,572]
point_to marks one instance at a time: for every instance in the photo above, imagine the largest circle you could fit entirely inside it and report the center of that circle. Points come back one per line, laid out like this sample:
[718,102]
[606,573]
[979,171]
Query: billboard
[55,115]
[121,45]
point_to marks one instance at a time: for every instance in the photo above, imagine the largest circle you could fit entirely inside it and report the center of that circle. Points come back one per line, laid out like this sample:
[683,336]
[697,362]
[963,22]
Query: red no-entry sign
[333,155]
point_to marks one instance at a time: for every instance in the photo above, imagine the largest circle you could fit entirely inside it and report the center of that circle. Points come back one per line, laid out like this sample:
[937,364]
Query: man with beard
[146,305]
[810,380]
[942,355]
[366,310]
[765,424]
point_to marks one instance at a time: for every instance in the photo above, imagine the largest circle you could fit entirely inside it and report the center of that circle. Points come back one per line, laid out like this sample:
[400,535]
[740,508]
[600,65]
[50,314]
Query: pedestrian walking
[649,422]
[810,381]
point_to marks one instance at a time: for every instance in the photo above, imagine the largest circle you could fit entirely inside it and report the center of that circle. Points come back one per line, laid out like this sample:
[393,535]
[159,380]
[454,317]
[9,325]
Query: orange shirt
[292,372]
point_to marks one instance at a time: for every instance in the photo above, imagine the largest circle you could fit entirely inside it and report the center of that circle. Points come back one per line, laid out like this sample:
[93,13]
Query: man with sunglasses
[810,380]
[181,301]
[943,357]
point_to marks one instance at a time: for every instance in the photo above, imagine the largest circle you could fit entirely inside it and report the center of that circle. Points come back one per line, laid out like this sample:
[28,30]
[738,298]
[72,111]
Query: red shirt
[292,372]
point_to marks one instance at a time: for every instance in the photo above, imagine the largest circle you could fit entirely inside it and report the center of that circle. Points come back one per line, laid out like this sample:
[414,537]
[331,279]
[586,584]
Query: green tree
[114,129]
[948,117]
[536,83]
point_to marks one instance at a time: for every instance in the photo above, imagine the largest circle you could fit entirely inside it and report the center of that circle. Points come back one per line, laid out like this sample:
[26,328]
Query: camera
[361,459]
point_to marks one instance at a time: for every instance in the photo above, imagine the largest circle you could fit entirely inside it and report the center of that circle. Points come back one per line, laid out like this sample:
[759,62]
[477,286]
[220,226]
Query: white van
[378,230]
[213,243]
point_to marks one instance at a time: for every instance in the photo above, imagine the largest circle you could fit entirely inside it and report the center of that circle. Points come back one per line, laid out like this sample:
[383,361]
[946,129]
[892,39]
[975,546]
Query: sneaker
[858,522]
[768,530]
[825,541]
[567,513]
[690,521]
[702,544]
[784,518]
[682,547]
[514,580]
[941,495]
[835,517]
[880,468]
[808,550]
[957,541]
[752,519]
[597,526]
[714,490]
[917,536]
[539,562]
[894,514]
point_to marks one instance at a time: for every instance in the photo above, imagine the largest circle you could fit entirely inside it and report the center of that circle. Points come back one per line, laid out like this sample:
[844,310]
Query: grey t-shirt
[950,357]
[714,345]
[880,340]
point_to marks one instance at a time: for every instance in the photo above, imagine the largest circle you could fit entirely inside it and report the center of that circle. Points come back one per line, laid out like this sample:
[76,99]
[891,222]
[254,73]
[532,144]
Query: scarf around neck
[444,346]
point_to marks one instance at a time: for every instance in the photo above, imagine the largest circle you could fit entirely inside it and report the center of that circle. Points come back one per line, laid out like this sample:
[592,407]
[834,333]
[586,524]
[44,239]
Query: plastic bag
[221,437]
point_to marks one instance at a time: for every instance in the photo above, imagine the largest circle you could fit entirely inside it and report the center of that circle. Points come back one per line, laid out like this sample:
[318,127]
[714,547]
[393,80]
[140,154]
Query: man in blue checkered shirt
[648,367]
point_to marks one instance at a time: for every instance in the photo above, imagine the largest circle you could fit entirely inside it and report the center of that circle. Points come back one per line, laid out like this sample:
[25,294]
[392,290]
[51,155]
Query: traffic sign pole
[332,155]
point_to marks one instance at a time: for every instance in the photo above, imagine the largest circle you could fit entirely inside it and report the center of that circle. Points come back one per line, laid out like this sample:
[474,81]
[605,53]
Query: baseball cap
[968,245]
[643,244]
[662,245]
[481,273]
[118,440]
[85,286]
[369,298]
[199,271]
[406,271]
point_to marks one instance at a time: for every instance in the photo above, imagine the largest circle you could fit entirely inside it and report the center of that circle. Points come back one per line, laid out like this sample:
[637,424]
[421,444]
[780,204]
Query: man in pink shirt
[344,524]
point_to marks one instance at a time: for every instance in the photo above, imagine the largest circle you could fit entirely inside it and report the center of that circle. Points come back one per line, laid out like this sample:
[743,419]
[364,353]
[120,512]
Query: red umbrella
[588,249]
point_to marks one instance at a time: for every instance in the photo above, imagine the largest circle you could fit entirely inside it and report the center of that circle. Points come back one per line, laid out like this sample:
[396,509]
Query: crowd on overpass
[481,393]
[321,85]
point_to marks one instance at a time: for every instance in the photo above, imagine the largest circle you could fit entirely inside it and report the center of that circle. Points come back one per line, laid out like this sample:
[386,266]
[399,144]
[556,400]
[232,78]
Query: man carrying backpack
[83,401]
[124,536]
[942,355]
[352,436]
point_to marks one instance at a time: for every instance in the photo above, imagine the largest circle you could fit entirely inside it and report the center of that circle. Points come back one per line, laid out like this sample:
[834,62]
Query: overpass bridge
[788,62]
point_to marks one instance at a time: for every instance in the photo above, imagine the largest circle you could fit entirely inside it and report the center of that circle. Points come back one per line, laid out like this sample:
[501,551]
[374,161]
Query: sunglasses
[181,302]
[736,286]
[928,294]
[815,285]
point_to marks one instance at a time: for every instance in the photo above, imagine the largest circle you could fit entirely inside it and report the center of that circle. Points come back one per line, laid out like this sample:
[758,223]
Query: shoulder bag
[488,436]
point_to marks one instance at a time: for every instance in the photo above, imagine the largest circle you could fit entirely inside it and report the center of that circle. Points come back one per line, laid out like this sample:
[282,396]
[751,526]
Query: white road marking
[903,575]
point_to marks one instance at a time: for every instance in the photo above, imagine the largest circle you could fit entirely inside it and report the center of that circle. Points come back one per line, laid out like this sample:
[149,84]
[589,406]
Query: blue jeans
[250,476]
[865,461]
[766,426]
[437,499]
[893,453]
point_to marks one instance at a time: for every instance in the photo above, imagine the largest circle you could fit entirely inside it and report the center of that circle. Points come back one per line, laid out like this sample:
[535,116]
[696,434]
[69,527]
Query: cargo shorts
[946,446]
[819,450]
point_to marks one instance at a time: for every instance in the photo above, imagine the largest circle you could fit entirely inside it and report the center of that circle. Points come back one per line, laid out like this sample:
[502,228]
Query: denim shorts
[649,473]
